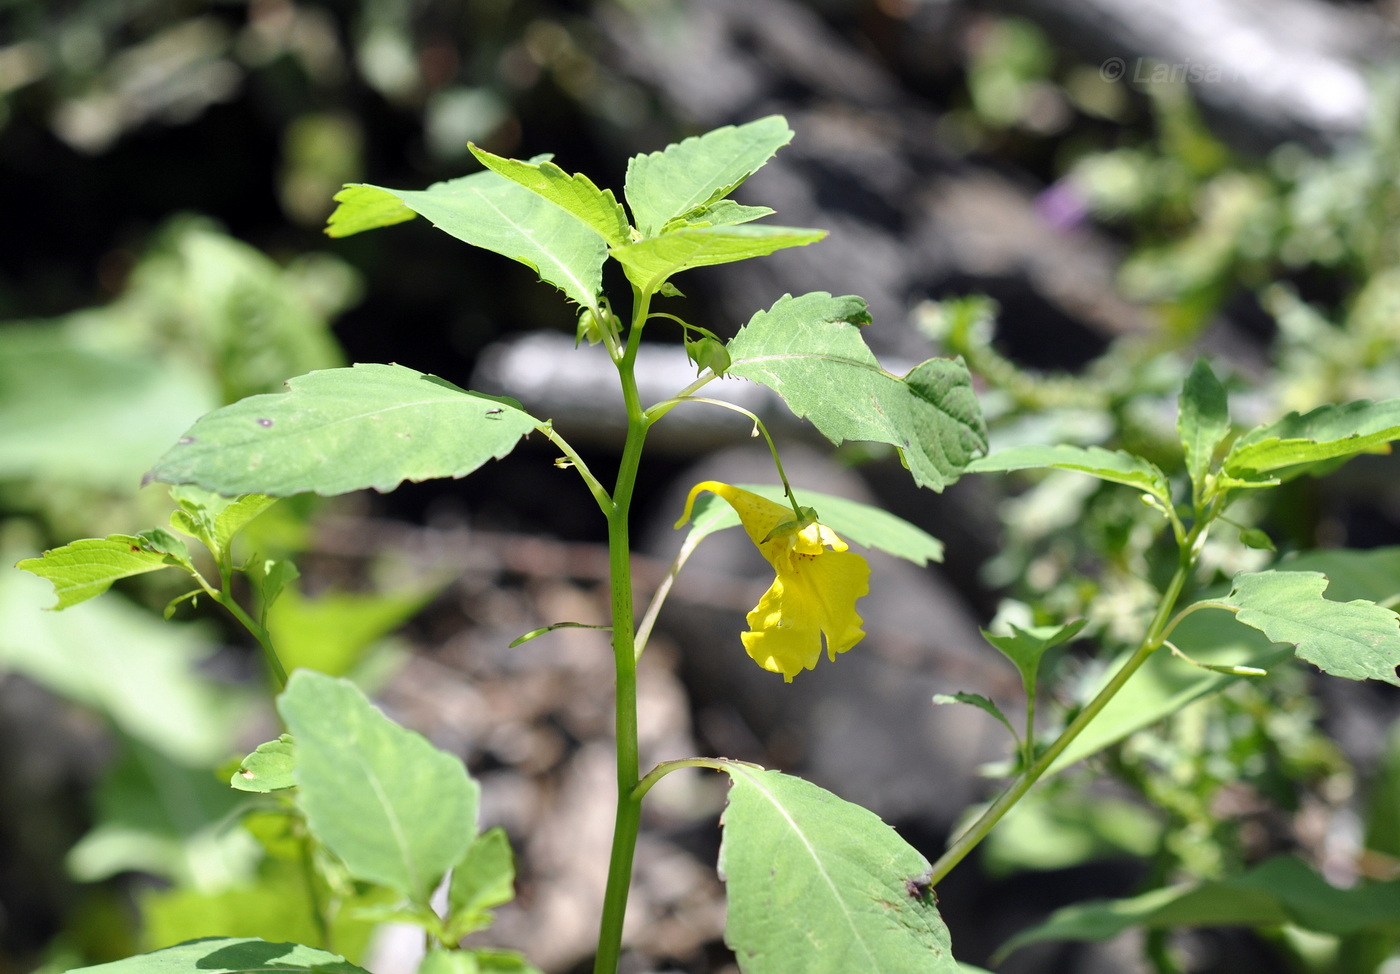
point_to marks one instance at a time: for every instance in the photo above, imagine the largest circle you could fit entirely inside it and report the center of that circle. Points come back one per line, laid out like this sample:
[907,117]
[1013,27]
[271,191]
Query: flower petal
[816,599]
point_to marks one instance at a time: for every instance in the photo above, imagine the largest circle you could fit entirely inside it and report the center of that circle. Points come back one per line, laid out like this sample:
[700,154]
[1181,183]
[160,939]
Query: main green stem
[1151,642]
[629,807]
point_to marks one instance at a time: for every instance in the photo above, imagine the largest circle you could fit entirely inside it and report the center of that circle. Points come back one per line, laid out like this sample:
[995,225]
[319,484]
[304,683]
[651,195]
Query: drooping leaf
[1025,647]
[229,955]
[863,524]
[398,811]
[810,351]
[1326,433]
[691,175]
[340,430]
[84,569]
[1278,892]
[818,885]
[1114,466]
[598,208]
[482,881]
[1358,640]
[650,262]
[981,703]
[494,213]
[1203,418]
[269,768]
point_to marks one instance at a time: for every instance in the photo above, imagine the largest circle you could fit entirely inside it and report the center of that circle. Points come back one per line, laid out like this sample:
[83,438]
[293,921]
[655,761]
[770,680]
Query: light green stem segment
[1151,642]
[629,806]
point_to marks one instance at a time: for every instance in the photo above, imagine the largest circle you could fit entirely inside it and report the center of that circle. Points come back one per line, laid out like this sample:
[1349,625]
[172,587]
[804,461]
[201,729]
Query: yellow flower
[814,595]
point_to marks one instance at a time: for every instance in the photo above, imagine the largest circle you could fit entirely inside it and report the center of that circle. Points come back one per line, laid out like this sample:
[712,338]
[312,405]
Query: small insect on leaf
[494,411]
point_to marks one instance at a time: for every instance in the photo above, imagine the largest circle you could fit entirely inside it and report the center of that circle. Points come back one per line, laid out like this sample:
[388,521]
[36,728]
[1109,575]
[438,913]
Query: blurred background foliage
[168,165]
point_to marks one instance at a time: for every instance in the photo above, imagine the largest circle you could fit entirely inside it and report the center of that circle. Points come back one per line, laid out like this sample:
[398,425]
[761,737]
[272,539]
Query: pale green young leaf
[1358,640]
[1114,466]
[862,524]
[690,175]
[236,516]
[598,208]
[363,207]
[650,262]
[395,809]
[491,212]
[229,955]
[1275,893]
[721,213]
[1025,647]
[482,881]
[84,569]
[270,578]
[163,542]
[810,351]
[269,768]
[1203,418]
[340,430]
[981,703]
[1326,433]
[819,885]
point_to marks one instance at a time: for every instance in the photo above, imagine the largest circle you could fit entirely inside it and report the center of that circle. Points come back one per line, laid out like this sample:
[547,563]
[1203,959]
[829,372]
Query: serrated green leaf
[650,262]
[981,703]
[395,809]
[482,881]
[819,885]
[691,175]
[1326,433]
[1114,466]
[269,768]
[1358,640]
[340,430]
[598,208]
[363,207]
[721,213]
[809,350]
[864,524]
[1025,647]
[85,569]
[494,213]
[1278,892]
[1203,418]
[229,955]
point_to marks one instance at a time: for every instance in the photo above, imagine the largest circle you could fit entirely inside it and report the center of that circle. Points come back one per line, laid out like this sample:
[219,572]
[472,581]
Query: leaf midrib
[831,884]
